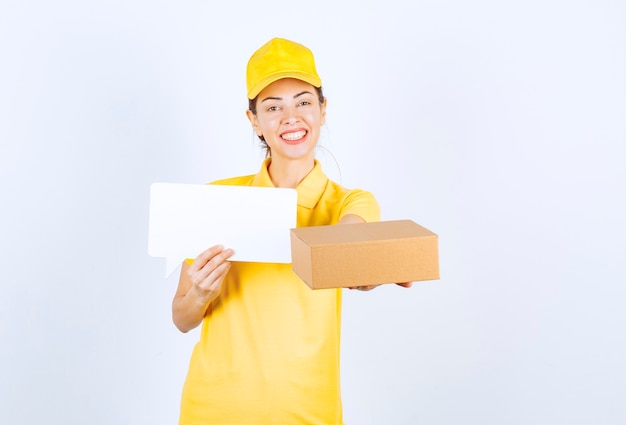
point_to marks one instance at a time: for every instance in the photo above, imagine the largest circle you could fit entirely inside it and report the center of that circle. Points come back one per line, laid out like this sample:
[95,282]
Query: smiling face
[288,117]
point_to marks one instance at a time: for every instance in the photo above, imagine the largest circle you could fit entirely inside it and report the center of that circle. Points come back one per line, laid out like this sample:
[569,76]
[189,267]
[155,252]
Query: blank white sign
[186,219]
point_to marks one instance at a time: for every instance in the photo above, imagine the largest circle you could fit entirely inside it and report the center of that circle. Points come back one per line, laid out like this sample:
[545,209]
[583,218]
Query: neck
[289,173]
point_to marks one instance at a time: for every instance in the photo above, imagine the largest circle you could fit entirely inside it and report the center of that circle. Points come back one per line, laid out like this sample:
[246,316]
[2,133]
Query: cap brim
[307,78]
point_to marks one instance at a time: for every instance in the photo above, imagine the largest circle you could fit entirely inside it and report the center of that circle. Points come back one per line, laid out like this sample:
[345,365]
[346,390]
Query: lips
[294,136]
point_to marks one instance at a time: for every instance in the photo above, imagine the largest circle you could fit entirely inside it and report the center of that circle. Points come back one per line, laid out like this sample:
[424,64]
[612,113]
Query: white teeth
[294,136]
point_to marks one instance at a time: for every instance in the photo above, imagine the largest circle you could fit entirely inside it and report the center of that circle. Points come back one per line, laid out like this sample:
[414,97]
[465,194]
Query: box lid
[361,232]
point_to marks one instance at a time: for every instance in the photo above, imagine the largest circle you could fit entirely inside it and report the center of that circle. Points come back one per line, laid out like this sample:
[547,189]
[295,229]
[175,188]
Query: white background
[498,125]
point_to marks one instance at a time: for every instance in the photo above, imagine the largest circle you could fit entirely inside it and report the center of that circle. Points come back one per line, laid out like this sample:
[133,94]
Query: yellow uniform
[269,346]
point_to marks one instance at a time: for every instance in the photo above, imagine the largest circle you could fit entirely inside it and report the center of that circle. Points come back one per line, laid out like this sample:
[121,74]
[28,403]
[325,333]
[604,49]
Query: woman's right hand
[207,272]
[199,284]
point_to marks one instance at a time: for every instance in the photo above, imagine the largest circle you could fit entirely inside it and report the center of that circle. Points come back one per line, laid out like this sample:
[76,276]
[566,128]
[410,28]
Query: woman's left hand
[370,287]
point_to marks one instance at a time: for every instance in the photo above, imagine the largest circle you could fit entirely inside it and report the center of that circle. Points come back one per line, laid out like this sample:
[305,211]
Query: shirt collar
[262,178]
[309,190]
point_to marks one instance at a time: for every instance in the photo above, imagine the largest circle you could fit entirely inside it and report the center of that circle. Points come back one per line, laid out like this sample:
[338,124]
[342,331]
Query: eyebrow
[280,98]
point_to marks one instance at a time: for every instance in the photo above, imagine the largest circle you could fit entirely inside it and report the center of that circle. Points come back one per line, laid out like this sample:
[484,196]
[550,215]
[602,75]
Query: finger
[220,272]
[214,279]
[218,259]
[366,287]
[405,284]
[211,258]
[211,286]
[216,263]
[205,256]
[210,283]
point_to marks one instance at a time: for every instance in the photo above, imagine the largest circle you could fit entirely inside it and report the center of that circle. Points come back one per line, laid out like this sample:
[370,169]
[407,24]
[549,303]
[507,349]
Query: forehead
[286,87]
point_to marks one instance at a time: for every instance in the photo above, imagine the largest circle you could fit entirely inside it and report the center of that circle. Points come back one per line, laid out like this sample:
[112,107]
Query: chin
[299,151]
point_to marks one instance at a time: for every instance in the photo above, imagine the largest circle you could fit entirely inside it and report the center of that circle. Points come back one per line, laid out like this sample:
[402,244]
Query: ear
[254,121]
[323,112]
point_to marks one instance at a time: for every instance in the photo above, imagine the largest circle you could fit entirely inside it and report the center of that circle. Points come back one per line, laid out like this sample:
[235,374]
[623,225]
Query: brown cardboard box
[364,254]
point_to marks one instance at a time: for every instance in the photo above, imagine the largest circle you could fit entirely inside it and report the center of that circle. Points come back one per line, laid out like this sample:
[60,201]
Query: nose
[291,115]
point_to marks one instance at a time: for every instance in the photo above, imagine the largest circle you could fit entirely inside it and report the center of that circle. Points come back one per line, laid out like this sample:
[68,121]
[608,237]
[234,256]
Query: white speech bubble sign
[186,219]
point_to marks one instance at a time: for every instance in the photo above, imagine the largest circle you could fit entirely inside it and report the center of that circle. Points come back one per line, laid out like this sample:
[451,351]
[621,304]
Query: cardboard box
[362,254]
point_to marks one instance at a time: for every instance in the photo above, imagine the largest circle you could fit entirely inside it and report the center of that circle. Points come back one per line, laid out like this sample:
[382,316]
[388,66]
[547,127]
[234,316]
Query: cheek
[266,124]
[260,127]
[316,119]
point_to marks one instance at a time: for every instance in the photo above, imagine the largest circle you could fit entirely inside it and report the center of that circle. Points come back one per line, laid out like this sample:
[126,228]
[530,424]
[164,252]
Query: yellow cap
[280,58]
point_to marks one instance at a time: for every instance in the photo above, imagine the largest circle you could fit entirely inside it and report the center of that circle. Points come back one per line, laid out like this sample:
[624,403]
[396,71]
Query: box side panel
[301,259]
[386,262]
[330,266]
[421,260]
[375,262]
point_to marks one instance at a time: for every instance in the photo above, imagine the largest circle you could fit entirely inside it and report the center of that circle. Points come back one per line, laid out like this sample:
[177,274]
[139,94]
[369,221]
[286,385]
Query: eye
[304,103]
[273,108]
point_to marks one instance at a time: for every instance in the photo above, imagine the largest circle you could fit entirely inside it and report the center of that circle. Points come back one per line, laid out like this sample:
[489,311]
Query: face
[289,117]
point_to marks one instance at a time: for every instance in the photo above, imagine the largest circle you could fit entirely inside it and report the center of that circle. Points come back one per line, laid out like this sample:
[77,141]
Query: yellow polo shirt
[269,346]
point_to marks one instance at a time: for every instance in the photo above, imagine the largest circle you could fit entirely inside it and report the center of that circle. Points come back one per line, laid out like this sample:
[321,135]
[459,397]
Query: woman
[269,346]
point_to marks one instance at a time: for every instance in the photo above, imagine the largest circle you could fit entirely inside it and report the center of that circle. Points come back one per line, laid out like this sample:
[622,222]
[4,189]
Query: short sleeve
[362,204]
